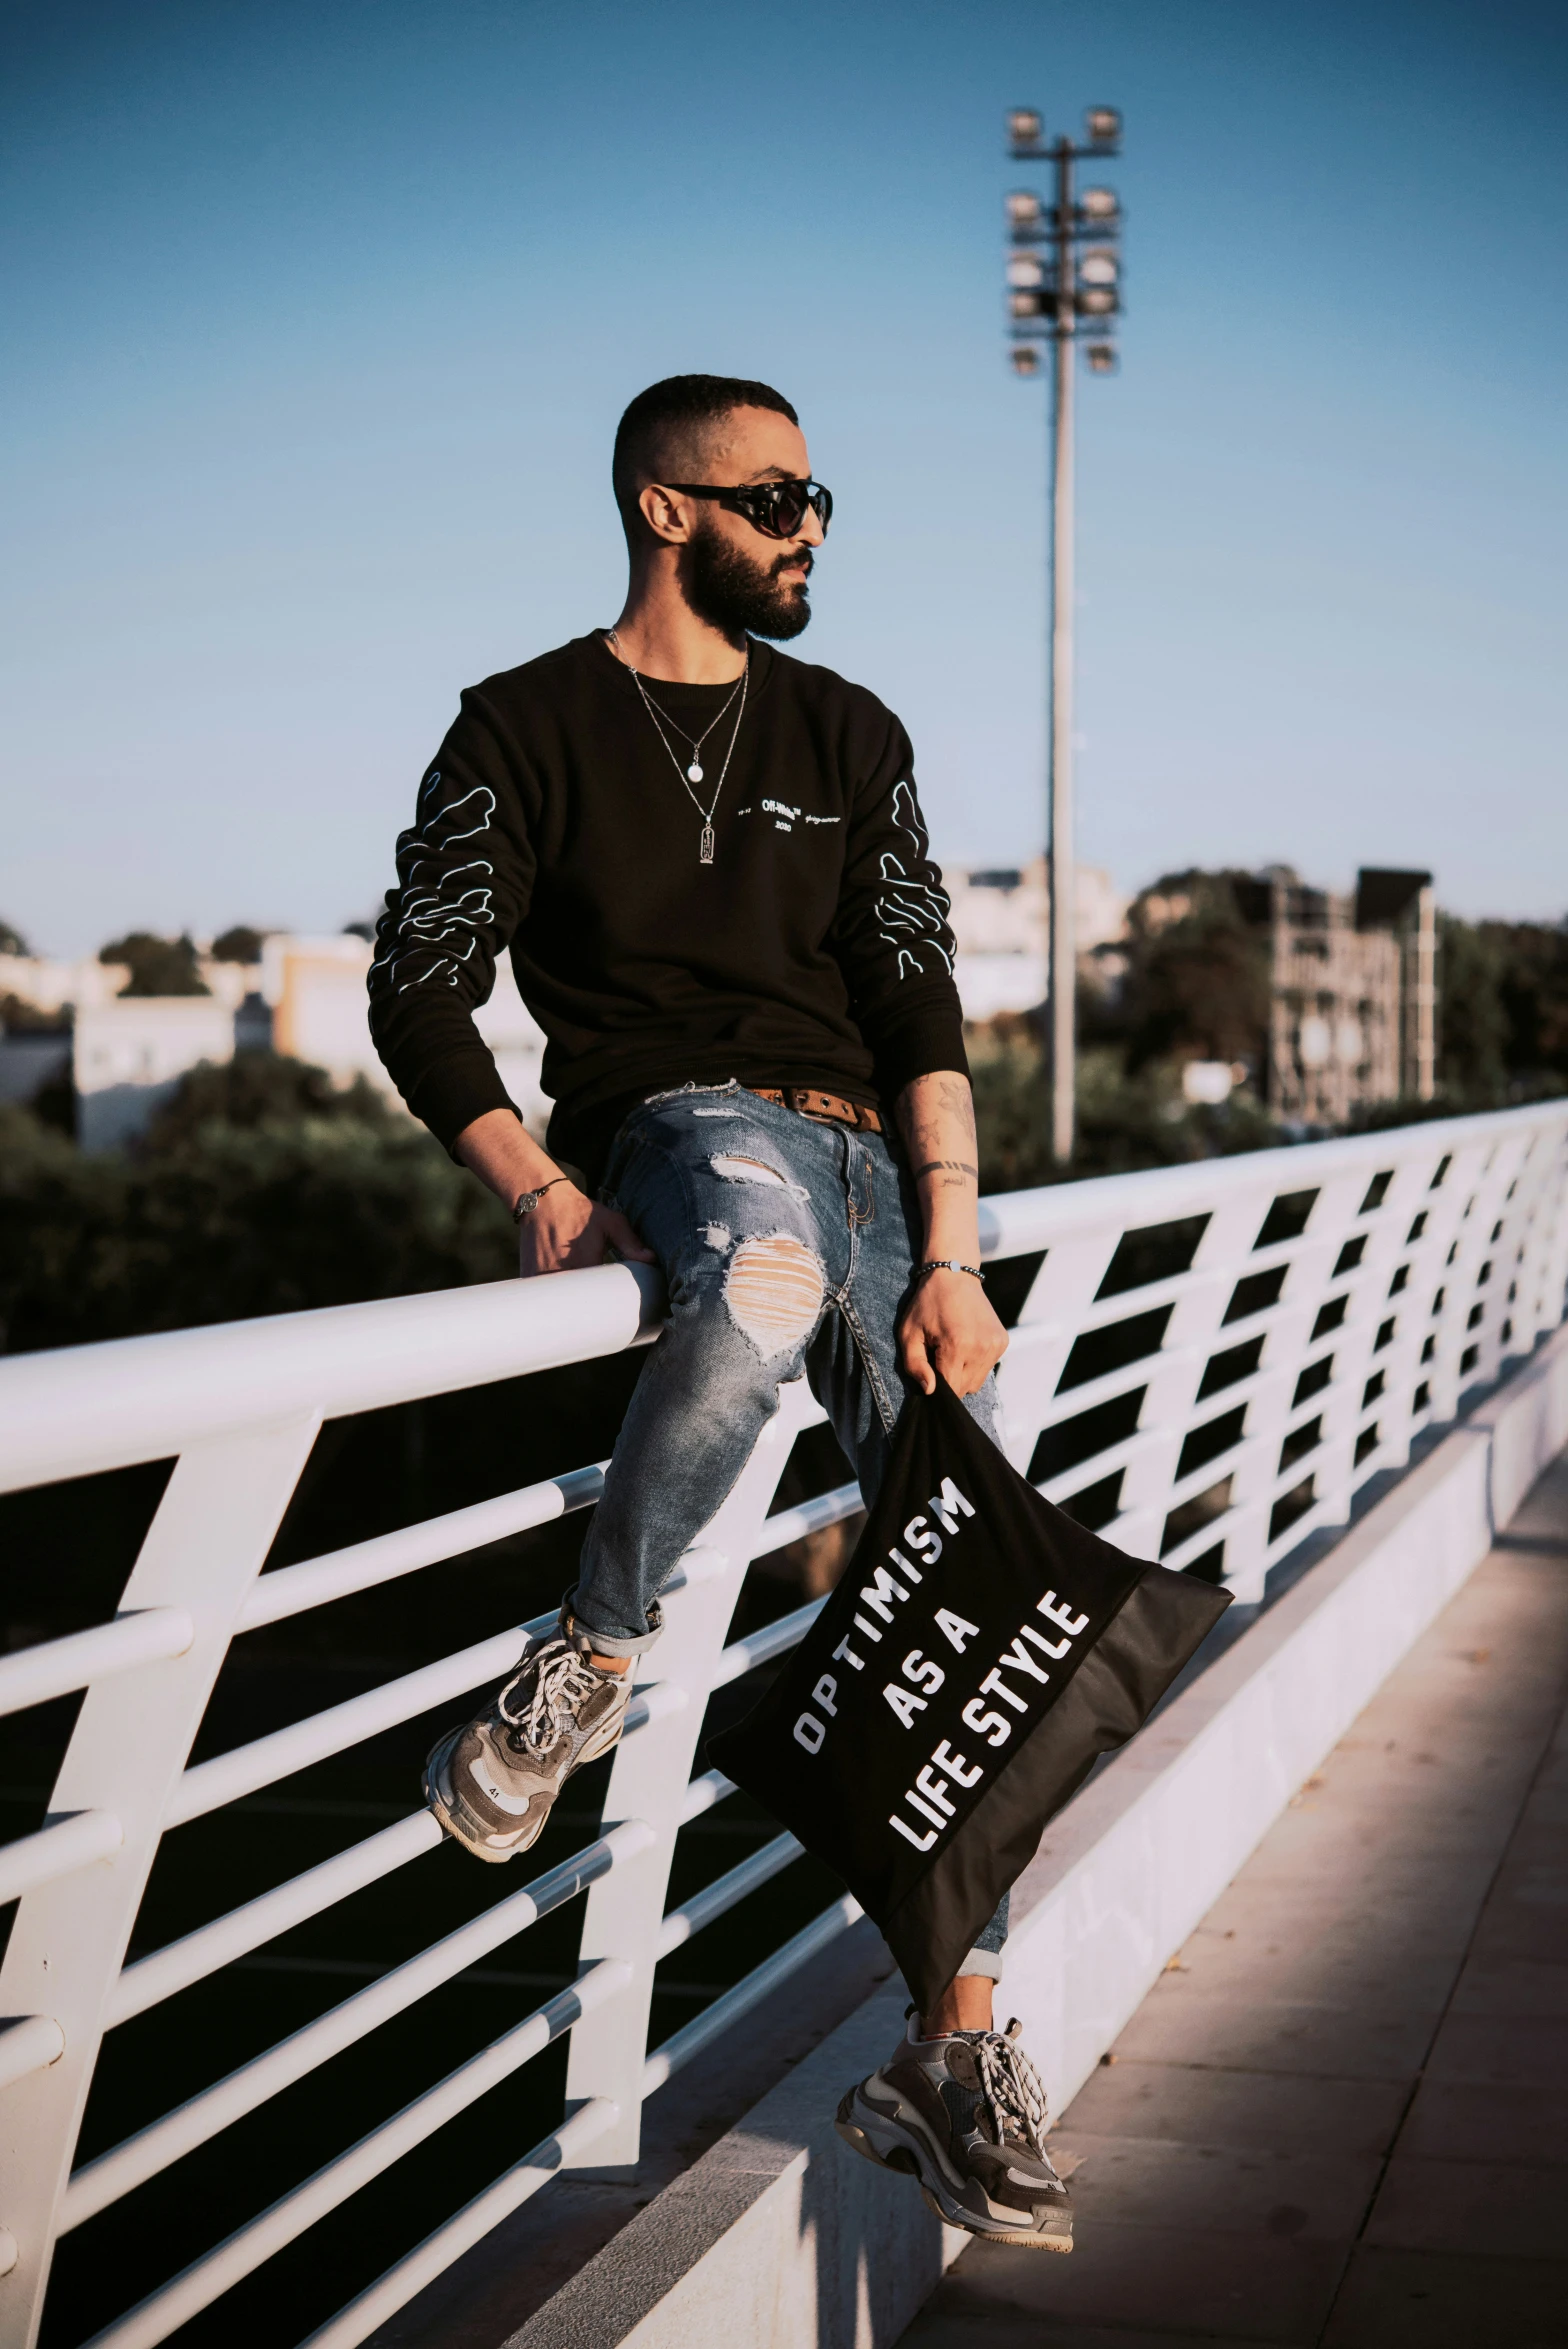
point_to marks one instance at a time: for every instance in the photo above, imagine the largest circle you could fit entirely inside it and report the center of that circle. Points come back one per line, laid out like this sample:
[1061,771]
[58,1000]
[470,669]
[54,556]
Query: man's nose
[811,532]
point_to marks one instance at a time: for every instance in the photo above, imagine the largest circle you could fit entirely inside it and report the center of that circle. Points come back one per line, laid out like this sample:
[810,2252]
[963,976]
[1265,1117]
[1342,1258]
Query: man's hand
[566,1230]
[949,1326]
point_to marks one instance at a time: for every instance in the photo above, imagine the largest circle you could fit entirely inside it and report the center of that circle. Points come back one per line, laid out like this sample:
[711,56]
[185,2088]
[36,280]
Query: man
[710,866]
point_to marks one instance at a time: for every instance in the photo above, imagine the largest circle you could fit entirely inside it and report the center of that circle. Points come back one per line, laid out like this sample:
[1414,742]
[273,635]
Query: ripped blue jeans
[787,1245]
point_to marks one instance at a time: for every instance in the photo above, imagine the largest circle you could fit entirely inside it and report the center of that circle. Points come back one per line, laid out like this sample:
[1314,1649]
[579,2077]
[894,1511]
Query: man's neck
[659,634]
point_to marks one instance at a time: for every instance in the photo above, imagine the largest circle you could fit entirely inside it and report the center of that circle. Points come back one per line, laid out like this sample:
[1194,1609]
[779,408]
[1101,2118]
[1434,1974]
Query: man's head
[717,431]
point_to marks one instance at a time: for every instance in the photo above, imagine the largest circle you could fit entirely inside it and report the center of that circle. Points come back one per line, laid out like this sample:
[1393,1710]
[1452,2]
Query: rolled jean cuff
[983,1961]
[590,1640]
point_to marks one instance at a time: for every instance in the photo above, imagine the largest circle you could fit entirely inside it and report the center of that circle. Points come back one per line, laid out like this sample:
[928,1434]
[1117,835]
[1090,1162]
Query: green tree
[240,944]
[1532,988]
[300,1197]
[1197,984]
[257,1089]
[158,966]
[1472,1024]
[1124,1121]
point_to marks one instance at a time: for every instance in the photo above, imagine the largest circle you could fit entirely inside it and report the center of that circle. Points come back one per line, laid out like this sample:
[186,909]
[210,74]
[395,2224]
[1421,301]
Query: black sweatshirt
[814,950]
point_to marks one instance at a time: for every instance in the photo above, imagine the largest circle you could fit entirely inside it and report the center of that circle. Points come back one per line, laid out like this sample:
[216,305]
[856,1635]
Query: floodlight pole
[1045,305]
[1059,777]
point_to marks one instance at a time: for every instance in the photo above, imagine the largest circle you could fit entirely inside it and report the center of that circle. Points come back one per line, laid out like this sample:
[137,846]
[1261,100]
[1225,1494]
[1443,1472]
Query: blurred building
[1001,918]
[124,1055]
[1353,997]
[128,1056]
[315,988]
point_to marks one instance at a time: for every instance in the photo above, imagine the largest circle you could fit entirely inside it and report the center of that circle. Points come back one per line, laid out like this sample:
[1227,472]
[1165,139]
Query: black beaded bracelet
[950,1264]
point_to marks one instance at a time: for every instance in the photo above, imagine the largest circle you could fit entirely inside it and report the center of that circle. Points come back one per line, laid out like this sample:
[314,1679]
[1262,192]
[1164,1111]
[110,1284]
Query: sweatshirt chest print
[785,817]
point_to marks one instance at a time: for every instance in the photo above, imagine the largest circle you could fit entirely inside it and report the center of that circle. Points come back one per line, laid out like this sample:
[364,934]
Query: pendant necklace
[693,771]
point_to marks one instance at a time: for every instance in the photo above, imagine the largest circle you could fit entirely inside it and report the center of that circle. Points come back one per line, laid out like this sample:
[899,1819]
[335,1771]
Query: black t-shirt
[814,950]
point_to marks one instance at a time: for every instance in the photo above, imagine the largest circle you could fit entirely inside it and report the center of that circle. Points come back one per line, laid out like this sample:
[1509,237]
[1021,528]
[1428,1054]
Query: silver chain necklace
[693,773]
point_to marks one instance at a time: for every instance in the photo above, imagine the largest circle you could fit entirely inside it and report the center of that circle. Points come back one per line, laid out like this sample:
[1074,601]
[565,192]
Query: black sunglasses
[776,508]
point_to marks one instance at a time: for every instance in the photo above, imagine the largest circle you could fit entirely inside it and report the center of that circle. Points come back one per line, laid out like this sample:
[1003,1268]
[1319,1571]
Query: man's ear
[667,515]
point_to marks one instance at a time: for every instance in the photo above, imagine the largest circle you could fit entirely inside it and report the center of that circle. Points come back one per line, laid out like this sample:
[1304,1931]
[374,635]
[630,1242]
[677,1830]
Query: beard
[742,597]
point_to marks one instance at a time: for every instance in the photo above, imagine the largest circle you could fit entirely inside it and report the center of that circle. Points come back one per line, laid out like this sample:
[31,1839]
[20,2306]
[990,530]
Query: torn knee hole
[774,1289]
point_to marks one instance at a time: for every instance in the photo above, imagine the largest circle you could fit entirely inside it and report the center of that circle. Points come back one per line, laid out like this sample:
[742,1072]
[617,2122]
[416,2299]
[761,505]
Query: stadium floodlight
[1052,294]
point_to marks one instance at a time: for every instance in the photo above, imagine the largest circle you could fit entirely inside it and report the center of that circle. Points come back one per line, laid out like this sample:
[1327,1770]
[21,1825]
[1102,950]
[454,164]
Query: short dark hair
[680,402]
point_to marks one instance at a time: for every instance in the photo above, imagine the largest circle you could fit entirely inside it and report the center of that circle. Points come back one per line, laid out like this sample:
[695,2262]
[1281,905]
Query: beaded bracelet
[949,1264]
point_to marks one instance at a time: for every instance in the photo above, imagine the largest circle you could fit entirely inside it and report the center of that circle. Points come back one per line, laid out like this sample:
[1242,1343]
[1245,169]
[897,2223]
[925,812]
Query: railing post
[648,1780]
[213,1528]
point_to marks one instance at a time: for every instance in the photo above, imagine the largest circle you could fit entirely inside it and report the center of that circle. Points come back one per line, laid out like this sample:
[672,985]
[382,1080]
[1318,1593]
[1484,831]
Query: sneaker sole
[891,2147]
[438,1799]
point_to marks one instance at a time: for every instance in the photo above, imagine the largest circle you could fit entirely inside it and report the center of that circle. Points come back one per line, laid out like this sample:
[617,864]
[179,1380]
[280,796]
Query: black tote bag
[981,1651]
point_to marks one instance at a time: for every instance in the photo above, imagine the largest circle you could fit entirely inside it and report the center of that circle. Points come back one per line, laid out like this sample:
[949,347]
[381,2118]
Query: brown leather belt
[810,1103]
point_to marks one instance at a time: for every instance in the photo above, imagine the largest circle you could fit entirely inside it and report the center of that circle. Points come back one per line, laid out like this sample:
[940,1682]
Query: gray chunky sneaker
[491,1785]
[965,2115]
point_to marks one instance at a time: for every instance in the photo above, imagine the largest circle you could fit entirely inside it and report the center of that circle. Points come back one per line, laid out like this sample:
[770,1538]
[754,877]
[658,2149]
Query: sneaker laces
[562,1682]
[1013,2091]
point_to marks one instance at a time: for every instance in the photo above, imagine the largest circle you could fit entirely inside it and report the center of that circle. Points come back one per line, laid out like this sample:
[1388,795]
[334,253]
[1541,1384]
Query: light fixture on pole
[1063,267]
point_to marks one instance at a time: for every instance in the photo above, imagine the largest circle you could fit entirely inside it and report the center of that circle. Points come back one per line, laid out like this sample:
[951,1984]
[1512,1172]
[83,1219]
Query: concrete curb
[779,2235]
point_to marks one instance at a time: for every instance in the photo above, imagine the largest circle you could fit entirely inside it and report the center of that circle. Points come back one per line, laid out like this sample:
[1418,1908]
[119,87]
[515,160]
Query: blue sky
[320,317]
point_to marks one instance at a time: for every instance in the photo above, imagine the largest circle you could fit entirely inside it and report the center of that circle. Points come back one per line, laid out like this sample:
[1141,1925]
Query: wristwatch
[527,1201]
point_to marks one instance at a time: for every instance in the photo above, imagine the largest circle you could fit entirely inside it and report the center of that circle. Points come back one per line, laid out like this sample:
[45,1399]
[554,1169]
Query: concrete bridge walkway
[1341,2117]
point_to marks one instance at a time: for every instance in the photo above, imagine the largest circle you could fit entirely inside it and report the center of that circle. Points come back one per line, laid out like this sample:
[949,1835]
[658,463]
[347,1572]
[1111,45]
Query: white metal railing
[1208,1363]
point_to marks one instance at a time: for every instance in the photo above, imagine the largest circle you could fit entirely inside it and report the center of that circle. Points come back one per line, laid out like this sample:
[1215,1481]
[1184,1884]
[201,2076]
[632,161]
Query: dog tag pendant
[694,773]
[705,853]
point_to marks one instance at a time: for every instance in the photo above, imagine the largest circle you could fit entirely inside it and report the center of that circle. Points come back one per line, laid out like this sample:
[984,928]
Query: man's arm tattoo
[947,1166]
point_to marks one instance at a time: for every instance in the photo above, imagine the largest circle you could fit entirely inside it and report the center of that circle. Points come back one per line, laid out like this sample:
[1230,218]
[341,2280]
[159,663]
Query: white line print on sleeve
[911,913]
[444,901]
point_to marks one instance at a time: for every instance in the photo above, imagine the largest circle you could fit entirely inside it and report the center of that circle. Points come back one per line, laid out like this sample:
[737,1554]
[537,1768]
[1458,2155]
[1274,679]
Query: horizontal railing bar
[56,1666]
[164,2311]
[438,2252]
[1067,1483]
[246,1768]
[717,1898]
[791,1525]
[702,1794]
[135,2159]
[30,2044]
[163,1972]
[315,1582]
[667,2060]
[471,2224]
[81,1409]
[1014,1223]
[56,1850]
[76,1410]
[207,1785]
[760,1647]
[146,1981]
